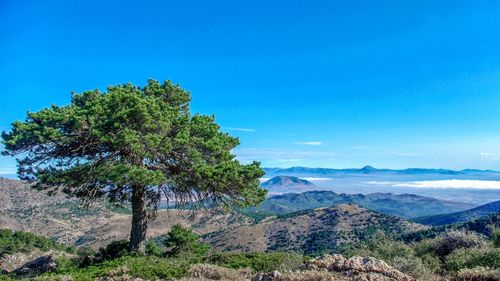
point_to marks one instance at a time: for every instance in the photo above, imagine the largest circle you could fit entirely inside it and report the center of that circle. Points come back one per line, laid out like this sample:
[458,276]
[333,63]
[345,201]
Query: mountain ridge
[402,205]
[458,217]
[297,170]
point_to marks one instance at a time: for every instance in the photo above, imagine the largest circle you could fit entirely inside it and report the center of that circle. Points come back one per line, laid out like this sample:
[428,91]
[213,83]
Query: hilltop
[311,231]
[281,184]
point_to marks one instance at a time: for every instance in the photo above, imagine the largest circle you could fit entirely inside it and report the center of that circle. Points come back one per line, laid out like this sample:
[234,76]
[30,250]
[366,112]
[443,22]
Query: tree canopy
[130,143]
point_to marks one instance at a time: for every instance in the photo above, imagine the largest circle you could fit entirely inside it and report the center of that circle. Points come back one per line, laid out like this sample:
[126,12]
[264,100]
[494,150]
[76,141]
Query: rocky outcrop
[339,268]
[356,266]
[37,266]
[275,275]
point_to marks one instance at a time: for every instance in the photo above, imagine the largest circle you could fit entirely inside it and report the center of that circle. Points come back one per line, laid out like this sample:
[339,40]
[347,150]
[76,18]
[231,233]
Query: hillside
[66,221]
[462,216]
[312,231]
[282,184]
[402,205]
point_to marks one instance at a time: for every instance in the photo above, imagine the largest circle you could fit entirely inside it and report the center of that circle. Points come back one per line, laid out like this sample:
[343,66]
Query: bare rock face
[37,266]
[357,266]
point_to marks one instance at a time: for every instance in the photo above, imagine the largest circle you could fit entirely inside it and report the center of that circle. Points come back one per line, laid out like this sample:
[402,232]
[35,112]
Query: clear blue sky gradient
[391,84]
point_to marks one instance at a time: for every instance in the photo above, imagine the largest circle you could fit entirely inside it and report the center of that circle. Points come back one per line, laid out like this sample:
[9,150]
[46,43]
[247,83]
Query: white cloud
[7,171]
[464,184]
[491,155]
[239,129]
[405,154]
[308,142]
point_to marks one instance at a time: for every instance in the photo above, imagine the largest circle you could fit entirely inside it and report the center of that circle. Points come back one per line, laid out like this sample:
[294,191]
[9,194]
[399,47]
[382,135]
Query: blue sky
[392,84]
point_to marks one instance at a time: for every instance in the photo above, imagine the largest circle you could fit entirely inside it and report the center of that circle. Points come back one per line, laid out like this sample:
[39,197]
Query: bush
[471,258]
[20,241]
[149,268]
[263,262]
[496,237]
[479,273]
[446,243]
[184,243]
[432,263]
[153,249]
[412,266]
[114,250]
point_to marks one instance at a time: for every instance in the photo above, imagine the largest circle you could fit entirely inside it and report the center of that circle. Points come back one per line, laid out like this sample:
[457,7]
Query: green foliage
[146,267]
[20,241]
[474,257]
[262,262]
[104,143]
[479,273]
[153,249]
[495,236]
[446,243]
[112,251]
[184,243]
[483,225]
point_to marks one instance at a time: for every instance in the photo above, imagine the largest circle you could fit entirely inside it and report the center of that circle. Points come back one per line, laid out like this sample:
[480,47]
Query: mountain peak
[368,169]
[286,180]
[281,184]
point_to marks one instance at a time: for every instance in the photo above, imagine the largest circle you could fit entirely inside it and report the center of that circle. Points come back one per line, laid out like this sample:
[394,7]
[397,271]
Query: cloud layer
[464,184]
[308,142]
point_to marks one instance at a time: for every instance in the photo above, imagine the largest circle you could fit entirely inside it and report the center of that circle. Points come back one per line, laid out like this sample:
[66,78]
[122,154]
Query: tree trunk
[139,220]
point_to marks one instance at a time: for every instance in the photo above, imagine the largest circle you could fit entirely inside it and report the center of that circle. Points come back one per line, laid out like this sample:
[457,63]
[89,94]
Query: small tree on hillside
[137,144]
[183,242]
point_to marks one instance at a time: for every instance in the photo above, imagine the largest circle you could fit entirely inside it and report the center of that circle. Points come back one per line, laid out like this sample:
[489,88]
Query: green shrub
[153,249]
[475,257]
[432,263]
[412,266]
[184,243]
[145,267]
[448,242]
[114,250]
[20,241]
[496,237]
[263,262]
[479,273]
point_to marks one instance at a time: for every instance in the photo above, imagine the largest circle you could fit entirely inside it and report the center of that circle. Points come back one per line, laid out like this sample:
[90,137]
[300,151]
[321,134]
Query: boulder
[359,266]
[37,266]
[270,276]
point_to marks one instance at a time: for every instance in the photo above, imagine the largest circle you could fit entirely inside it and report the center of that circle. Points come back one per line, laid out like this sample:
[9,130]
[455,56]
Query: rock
[357,266]
[270,276]
[37,266]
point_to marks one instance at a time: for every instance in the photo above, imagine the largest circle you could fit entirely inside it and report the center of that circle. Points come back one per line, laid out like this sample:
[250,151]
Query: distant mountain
[402,205]
[462,216]
[309,172]
[312,231]
[280,184]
